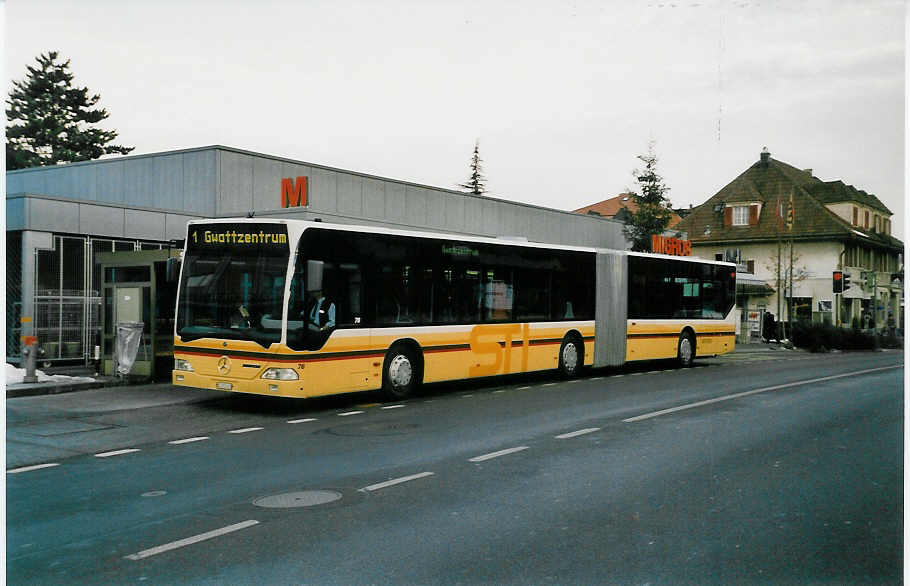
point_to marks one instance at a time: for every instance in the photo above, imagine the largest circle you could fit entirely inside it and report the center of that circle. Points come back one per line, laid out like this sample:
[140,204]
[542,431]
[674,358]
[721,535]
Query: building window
[855,216]
[866,224]
[741,215]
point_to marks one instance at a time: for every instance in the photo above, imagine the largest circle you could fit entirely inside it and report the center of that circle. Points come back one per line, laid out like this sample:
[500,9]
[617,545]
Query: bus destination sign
[238,236]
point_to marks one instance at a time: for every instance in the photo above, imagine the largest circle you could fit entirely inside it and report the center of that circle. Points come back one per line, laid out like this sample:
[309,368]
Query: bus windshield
[232,288]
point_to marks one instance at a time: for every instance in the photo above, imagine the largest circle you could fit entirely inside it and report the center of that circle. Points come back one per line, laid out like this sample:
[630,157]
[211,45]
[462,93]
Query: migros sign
[294,192]
[667,245]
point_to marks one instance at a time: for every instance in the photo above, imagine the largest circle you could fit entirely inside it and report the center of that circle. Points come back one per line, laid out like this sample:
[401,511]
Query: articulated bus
[294,308]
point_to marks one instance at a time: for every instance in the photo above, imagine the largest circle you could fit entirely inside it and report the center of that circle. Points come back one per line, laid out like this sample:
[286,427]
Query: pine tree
[477,183]
[654,208]
[49,121]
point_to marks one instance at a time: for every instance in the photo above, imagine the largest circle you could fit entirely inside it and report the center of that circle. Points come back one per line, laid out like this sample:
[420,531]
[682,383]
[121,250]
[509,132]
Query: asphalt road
[766,469]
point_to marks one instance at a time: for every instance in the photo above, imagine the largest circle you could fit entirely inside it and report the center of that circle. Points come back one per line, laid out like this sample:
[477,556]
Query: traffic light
[837,281]
[846,281]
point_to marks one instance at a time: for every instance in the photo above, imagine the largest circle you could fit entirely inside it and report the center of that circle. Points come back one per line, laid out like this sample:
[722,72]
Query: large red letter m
[293,193]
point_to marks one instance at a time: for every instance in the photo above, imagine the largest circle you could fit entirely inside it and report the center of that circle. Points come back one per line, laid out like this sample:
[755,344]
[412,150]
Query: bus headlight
[280,374]
[181,364]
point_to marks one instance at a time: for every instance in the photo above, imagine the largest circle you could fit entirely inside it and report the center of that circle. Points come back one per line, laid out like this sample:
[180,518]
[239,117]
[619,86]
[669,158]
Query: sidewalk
[79,373]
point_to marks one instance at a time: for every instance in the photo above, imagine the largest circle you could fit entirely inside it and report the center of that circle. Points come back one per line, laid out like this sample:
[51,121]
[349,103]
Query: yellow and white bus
[293,308]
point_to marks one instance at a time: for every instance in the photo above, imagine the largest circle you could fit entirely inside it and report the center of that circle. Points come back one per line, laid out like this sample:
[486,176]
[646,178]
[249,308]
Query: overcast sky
[561,95]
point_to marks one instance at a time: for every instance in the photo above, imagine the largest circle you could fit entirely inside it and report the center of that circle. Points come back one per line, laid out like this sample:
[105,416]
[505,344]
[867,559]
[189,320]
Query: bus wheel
[571,357]
[686,350]
[400,373]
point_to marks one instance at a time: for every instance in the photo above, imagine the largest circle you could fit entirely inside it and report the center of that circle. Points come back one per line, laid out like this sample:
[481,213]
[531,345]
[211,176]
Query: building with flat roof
[60,218]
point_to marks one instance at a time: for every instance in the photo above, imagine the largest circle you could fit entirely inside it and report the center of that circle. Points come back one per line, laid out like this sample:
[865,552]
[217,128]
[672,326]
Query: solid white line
[753,392]
[191,540]
[578,433]
[395,481]
[30,468]
[116,453]
[497,454]
[246,430]
[392,407]
[307,420]
[349,413]
[189,440]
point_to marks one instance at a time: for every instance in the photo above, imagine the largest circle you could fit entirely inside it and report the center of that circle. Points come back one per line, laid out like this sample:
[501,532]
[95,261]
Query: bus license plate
[224,386]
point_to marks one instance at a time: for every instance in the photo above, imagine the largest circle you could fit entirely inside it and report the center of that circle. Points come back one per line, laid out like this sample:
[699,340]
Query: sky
[562,96]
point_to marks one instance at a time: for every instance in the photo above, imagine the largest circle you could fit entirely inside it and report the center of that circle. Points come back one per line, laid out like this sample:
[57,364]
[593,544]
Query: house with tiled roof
[618,208]
[773,208]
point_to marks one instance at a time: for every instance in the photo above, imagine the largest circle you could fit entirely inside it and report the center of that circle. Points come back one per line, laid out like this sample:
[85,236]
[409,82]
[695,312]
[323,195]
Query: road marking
[523,388]
[349,413]
[395,481]
[307,420]
[753,392]
[500,391]
[550,384]
[617,375]
[116,453]
[497,454]
[246,430]
[468,395]
[392,407]
[189,440]
[577,433]
[191,540]
[30,468]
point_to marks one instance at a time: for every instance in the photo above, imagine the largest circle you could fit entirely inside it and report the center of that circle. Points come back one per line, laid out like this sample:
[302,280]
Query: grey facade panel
[373,198]
[99,220]
[138,174]
[53,215]
[415,205]
[111,182]
[394,203]
[145,224]
[199,182]
[15,214]
[235,183]
[14,183]
[323,191]
[454,212]
[350,195]
[83,183]
[34,181]
[167,183]
[175,226]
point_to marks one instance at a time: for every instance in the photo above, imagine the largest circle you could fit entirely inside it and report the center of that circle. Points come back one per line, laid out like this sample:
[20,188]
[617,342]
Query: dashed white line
[753,392]
[395,481]
[307,420]
[500,391]
[189,440]
[497,454]
[116,453]
[391,406]
[30,468]
[348,413]
[523,388]
[191,540]
[246,430]
[550,384]
[577,433]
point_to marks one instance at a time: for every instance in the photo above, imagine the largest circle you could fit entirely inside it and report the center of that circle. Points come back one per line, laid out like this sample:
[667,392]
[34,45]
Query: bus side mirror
[314,275]
[173,270]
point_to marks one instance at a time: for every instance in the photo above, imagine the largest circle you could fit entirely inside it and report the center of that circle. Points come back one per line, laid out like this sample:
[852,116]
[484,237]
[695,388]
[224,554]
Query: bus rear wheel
[571,357]
[400,373]
[686,350]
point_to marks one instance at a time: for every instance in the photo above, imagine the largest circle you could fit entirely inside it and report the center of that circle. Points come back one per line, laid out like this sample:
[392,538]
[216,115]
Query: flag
[790,213]
[780,213]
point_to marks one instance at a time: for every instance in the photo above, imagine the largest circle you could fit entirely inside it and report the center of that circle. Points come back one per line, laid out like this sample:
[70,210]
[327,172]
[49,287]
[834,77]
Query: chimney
[765,156]
[808,172]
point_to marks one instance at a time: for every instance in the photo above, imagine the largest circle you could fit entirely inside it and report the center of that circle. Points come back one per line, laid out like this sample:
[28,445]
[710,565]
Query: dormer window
[741,215]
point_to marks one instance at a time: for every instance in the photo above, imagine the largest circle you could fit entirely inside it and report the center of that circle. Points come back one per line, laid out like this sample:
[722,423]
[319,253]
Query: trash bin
[126,346]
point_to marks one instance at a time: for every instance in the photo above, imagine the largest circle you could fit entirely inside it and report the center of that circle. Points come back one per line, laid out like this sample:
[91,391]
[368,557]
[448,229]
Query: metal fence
[67,324]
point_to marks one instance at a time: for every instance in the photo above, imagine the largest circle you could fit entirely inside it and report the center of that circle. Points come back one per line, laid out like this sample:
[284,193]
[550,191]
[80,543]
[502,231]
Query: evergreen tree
[654,207]
[49,121]
[477,183]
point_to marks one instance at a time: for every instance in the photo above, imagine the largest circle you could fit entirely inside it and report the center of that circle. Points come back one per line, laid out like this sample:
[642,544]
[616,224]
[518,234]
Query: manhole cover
[304,498]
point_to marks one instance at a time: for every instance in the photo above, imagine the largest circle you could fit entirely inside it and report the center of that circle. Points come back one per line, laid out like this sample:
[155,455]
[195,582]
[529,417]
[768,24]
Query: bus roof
[505,241]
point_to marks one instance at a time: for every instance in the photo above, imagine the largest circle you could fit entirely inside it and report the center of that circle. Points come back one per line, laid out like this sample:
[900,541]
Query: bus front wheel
[400,373]
[571,357]
[686,350]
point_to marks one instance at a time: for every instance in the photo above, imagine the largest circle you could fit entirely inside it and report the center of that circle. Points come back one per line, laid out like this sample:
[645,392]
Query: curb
[38,389]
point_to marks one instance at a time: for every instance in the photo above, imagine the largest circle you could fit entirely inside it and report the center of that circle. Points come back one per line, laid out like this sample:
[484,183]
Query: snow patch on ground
[15,376]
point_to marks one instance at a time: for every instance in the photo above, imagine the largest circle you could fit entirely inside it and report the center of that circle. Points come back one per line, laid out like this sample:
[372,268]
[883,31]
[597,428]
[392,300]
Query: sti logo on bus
[294,193]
